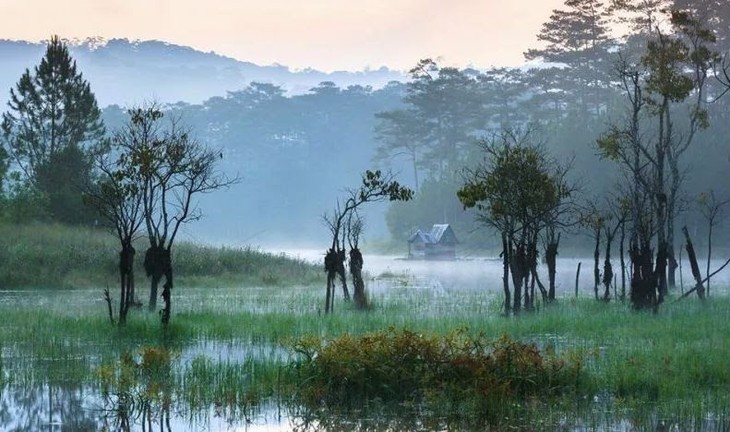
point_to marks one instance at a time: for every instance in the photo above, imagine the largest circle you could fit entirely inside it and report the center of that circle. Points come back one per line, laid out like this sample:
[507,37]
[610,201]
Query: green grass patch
[56,256]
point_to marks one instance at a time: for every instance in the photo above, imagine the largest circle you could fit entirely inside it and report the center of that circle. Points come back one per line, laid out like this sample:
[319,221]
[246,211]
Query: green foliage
[441,118]
[52,130]
[375,185]
[517,185]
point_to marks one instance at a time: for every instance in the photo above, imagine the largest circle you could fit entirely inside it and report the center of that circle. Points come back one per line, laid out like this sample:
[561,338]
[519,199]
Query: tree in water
[375,187]
[672,74]
[518,190]
[711,208]
[354,227]
[117,196]
[172,169]
[53,131]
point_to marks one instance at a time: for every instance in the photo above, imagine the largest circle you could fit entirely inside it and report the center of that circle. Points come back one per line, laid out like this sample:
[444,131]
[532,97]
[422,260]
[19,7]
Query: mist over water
[485,273]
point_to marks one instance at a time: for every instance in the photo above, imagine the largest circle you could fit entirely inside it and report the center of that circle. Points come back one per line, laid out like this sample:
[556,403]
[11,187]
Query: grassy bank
[55,256]
[669,367]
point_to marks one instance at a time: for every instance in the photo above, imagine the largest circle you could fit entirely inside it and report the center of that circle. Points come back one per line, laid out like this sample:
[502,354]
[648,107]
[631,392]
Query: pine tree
[578,36]
[52,130]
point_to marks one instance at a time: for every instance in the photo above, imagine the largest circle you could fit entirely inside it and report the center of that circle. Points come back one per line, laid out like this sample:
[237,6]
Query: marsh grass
[649,368]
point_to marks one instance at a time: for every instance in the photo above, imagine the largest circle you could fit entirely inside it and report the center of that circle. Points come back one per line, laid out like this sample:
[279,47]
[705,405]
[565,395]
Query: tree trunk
[693,264]
[551,255]
[540,286]
[596,259]
[505,272]
[623,262]
[661,271]
[126,280]
[516,280]
[607,270]
[167,289]
[709,256]
[341,273]
[643,277]
[356,264]
[330,267]
[154,266]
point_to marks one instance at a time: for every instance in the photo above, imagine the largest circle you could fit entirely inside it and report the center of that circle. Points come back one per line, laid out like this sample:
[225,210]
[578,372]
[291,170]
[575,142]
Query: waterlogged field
[227,363]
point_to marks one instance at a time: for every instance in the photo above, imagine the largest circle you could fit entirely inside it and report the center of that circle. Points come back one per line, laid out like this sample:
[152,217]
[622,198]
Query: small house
[439,243]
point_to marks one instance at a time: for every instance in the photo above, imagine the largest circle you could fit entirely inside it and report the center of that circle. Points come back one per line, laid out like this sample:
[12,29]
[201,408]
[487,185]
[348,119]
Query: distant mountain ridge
[126,72]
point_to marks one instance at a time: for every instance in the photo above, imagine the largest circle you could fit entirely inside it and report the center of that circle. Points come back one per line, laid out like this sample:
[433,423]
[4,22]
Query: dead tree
[551,258]
[693,265]
[711,209]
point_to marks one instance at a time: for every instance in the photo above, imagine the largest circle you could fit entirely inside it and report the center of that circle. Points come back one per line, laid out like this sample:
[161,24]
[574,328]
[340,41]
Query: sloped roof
[420,236]
[439,233]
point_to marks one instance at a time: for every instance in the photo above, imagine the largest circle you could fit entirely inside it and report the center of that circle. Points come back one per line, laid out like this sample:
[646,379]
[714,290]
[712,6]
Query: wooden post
[577,279]
[693,264]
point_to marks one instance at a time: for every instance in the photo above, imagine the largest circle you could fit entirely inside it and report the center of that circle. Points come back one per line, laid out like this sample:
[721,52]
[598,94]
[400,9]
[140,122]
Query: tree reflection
[46,408]
[137,391]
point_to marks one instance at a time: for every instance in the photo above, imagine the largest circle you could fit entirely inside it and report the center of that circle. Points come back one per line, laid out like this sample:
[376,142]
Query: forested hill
[295,155]
[125,72]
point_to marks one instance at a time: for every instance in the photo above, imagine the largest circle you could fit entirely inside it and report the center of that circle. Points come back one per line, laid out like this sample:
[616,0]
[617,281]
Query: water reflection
[83,408]
[46,408]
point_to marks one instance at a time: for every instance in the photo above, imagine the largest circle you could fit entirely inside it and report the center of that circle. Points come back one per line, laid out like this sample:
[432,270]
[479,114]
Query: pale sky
[322,34]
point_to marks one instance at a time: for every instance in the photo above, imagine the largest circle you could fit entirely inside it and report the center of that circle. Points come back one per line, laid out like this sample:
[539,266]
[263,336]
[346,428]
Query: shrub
[406,367]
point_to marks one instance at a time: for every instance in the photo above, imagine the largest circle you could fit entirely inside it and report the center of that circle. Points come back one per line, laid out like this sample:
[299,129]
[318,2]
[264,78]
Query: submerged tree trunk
[356,264]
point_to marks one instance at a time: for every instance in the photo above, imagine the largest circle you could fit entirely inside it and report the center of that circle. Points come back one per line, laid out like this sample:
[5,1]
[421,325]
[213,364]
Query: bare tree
[711,208]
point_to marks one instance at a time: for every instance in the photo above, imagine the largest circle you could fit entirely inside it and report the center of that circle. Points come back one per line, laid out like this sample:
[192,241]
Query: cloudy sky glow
[323,34]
